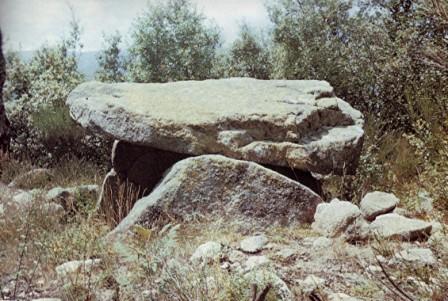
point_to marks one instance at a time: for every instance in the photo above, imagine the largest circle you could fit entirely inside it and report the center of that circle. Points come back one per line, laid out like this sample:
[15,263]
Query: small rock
[53,209]
[236,256]
[67,196]
[311,284]
[341,297]
[322,243]
[436,227]
[105,295]
[425,202]
[374,269]
[402,211]
[392,225]
[417,256]
[286,253]
[253,244]
[262,277]
[47,299]
[207,252]
[359,230]
[377,203]
[255,262]
[74,267]
[332,219]
[32,176]
[23,198]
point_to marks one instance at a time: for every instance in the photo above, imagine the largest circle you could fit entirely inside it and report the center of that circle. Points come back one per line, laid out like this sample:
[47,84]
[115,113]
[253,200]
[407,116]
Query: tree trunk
[4,122]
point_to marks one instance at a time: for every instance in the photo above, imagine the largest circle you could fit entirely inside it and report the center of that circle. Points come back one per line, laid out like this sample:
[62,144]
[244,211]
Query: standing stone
[4,122]
[214,184]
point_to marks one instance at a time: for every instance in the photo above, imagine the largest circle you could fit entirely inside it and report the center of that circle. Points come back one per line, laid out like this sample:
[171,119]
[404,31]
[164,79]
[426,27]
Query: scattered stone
[286,253]
[253,244]
[264,277]
[374,269]
[436,227]
[234,189]
[236,256]
[33,176]
[424,202]
[105,295]
[74,267]
[417,256]
[207,252]
[322,243]
[392,225]
[255,262]
[402,211]
[278,122]
[341,297]
[23,198]
[332,219]
[59,193]
[357,231]
[53,209]
[377,203]
[311,284]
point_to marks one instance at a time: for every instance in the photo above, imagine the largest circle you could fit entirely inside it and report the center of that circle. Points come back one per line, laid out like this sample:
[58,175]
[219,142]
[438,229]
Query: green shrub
[172,41]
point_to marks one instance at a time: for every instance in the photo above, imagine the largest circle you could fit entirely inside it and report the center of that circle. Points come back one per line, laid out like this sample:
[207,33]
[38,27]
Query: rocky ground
[56,248]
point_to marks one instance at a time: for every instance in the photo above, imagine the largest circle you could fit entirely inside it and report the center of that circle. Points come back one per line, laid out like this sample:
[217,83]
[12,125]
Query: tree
[4,122]
[172,41]
[42,126]
[248,56]
[111,63]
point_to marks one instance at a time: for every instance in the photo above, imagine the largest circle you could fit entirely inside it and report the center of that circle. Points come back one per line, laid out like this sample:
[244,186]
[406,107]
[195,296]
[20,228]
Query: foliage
[110,60]
[35,95]
[371,54]
[248,56]
[172,41]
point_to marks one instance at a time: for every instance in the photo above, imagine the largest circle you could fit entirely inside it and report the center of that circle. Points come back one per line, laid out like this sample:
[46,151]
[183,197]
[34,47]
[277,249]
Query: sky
[27,24]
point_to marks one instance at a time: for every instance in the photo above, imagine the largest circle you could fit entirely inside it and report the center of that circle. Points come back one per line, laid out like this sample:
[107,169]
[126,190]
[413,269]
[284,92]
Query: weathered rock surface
[66,196]
[311,283]
[58,193]
[392,225]
[341,297]
[256,262]
[32,176]
[332,219]
[229,187]
[253,244]
[206,252]
[73,268]
[417,256]
[264,277]
[287,123]
[376,203]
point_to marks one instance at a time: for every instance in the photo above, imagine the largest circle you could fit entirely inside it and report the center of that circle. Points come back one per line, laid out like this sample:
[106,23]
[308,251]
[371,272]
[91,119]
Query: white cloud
[29,23]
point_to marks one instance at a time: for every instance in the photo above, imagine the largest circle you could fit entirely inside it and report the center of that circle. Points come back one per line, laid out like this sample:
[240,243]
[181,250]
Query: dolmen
[237,147]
